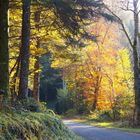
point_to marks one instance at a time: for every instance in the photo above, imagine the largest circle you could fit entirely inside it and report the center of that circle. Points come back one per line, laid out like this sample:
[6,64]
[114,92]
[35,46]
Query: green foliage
[123,109]
[105,116]
[29,104]
[62,94]
[50,77]
[65,101]
[33,126]
[100,116]
[80,104]
[124,106]
[71,113]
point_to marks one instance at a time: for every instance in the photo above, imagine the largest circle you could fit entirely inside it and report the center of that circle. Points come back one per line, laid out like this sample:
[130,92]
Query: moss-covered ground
[22,124]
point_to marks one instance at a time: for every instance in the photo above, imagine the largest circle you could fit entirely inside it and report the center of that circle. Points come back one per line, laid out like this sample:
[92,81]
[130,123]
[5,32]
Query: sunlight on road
[95,133]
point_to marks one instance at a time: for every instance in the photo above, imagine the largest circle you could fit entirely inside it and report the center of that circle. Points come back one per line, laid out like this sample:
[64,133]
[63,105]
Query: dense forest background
[78,56]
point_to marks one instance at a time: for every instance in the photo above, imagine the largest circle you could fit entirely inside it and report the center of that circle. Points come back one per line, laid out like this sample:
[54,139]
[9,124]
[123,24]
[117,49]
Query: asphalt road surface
[94,133]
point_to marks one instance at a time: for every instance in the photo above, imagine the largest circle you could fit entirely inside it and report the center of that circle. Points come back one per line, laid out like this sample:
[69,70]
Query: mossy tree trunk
[25,50]
[4,52]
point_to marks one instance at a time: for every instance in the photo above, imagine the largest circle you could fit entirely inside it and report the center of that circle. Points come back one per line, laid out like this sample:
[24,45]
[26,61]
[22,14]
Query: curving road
[95,133]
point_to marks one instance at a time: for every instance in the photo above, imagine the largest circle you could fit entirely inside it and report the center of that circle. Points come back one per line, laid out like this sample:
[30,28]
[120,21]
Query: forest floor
[94,132]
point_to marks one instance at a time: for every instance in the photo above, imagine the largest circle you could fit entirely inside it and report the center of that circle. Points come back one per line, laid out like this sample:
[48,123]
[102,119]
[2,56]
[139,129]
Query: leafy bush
[105,116]
[101,115]
[124,107]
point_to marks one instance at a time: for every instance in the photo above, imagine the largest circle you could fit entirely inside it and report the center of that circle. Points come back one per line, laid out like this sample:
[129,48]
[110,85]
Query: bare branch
[119,20]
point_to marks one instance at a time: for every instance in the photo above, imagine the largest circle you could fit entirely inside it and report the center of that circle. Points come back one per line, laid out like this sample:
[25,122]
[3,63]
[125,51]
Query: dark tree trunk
[136,60]
[25,51]
[137,87]
[4,52]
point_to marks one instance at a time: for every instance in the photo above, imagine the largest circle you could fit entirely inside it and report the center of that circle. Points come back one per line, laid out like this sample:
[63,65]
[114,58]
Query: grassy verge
[111,125]
[20,123]
[33,126]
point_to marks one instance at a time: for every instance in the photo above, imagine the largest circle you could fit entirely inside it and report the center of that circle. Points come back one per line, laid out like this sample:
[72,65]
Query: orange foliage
[99,76]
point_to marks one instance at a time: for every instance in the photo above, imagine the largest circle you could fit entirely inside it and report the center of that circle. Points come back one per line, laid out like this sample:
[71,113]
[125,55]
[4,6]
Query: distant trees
[4,50]
[100,72]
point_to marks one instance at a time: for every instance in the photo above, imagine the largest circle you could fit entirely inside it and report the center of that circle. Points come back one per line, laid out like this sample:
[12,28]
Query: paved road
[95,133]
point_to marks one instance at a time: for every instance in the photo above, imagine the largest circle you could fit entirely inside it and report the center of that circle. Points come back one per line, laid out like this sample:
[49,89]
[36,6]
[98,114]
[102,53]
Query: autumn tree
[89,72]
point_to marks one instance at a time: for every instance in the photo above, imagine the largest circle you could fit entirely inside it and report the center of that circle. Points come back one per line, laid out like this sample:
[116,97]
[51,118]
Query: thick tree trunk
[136,56]
[4,53]
[137,87]
[36,86]
[25,51]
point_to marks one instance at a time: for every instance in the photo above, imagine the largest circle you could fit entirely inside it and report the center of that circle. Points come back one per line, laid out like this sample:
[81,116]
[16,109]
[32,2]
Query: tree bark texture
[4,51]
[25,50]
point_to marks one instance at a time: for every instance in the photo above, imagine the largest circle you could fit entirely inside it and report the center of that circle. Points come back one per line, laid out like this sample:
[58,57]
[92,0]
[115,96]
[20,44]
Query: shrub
[29,105]
[123,107]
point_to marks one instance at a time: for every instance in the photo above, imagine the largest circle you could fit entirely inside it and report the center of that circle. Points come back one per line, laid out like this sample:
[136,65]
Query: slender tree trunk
[4,52]
[25,51]
[36,85]
[36,89]
[64,84]
[94,106]
[96,93]
[14,80]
